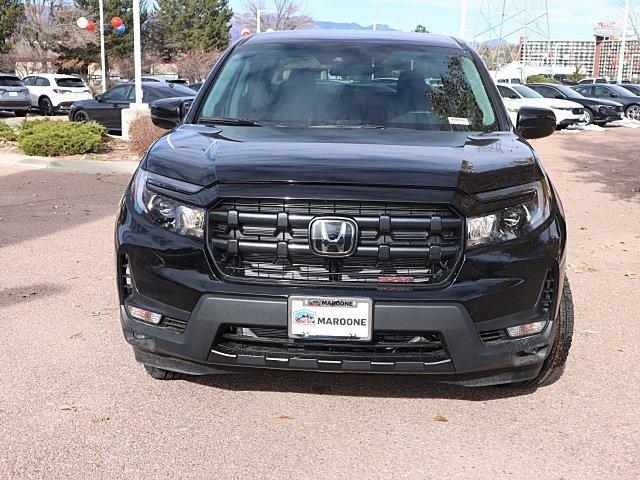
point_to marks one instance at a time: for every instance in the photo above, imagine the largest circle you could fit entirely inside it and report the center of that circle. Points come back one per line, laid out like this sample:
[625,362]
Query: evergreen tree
[10,15]
[189,25]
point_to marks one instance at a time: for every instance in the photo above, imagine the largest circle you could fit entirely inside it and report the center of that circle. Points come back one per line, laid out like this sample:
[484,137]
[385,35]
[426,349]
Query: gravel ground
[74,403]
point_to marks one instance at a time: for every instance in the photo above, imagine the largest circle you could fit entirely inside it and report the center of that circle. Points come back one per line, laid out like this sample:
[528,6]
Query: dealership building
[598,57]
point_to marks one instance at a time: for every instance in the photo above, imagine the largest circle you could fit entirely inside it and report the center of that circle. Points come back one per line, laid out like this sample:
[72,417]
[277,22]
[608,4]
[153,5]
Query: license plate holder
[330,318]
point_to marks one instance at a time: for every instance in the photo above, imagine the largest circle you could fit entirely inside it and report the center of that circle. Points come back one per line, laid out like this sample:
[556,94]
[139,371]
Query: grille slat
[256,240]
[385,346]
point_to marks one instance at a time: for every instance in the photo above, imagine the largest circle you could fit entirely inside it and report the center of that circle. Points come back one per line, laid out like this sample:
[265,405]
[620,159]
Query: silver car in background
[14,96]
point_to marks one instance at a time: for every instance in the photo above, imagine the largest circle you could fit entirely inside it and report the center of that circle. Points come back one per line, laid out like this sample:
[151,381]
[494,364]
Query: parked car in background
[52,93]
[632,87]
[516,81]
[106,108]
[616,93]
[596,110]
[161,79]
[14,96]
[594,80]
[518,96]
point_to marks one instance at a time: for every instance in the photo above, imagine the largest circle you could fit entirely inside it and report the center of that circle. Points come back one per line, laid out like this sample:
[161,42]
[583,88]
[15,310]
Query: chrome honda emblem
[333,236]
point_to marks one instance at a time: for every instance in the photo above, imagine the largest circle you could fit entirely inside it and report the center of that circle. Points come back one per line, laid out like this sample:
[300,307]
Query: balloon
[116,22]
[91,26]
[121,29]
[82,22]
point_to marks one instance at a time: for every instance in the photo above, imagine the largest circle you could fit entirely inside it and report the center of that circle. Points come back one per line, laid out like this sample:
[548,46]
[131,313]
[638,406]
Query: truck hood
[205,156]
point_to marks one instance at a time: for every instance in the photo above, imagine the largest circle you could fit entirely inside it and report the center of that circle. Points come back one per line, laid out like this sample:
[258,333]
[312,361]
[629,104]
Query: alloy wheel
[46,107]
[633,112]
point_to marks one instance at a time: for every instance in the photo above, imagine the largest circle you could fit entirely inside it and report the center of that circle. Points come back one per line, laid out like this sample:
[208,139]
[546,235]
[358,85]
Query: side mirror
[168,112]
[535,122]
[98,98]
[560,96]
[613,95]
[514,96]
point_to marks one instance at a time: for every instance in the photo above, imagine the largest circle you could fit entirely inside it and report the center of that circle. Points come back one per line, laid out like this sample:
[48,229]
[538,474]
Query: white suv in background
[53,92]
[517,96]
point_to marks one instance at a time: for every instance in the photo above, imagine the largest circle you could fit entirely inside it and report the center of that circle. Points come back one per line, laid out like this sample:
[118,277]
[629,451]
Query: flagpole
[137,52]
[102,53]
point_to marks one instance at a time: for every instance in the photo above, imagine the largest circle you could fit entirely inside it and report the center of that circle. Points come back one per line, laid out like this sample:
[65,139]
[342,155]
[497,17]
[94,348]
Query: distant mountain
[496,42]
[241,20]
[351,26]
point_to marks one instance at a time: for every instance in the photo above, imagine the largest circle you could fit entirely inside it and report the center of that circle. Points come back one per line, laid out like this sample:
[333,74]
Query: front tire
[160,373]
[588,116]
[80,116]
[633,112]
[46,106]
[553,366]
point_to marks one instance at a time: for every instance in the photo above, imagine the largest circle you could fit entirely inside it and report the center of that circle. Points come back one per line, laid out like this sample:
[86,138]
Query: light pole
[102,54]
[624,42]
[137,52]
[463,19]
[259,20]
[413,18]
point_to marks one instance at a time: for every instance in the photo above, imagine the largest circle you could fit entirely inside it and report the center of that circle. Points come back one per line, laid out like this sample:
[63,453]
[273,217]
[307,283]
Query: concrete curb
[82,166]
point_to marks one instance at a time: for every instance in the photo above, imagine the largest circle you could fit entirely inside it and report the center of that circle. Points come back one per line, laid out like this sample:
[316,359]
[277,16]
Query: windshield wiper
[237,122]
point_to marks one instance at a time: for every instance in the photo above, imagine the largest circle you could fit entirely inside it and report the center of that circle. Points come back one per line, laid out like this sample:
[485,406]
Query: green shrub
[7,133]
[541,79]
[52,138]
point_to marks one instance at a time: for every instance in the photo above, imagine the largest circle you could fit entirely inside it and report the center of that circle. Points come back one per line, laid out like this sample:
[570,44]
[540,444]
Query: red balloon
[116,22]
[91,26]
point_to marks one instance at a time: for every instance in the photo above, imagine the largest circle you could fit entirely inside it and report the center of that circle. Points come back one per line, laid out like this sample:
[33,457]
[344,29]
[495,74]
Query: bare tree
[47,25]
[278,15]
[194,66]
[634,17]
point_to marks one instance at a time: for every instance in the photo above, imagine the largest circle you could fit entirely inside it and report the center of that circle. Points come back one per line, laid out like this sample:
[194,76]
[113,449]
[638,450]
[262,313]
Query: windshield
[623,92]
[70,82]
[347,84]
[10,82]
[569,92]
[526,92]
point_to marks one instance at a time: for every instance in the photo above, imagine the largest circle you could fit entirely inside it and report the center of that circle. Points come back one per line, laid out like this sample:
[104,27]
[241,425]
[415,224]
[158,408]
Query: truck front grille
[268,240]
[384,347]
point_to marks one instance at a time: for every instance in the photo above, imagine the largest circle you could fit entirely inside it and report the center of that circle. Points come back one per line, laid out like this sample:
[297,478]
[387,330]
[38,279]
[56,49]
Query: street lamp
[259,19]
[463,19]
[624,42]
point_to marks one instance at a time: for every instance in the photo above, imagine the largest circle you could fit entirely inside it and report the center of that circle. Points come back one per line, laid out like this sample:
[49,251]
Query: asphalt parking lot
[74,403]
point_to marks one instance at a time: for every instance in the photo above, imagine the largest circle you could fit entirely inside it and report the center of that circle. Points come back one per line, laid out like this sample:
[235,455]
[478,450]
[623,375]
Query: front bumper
[564,118]
[471,362]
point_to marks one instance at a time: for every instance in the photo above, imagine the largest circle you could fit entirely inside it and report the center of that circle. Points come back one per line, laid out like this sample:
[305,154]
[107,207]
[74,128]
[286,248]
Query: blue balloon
[121,29]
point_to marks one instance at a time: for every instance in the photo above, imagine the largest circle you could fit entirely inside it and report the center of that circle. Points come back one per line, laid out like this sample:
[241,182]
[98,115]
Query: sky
[568,19]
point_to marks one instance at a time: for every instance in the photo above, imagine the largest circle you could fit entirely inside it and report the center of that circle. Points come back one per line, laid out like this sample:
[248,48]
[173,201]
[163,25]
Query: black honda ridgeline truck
[346,202]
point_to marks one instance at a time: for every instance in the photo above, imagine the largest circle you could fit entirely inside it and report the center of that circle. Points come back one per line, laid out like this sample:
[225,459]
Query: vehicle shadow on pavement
[376,386]
[609,160]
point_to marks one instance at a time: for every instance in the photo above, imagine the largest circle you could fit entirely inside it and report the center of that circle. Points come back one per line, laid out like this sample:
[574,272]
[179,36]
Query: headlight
[511,222]
[166,212]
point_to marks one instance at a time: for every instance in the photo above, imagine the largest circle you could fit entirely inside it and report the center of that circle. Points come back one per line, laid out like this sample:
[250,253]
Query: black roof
[294,36]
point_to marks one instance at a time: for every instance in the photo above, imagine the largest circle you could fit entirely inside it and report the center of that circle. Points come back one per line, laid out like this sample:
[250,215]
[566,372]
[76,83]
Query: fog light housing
[526,330]
[144,315]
